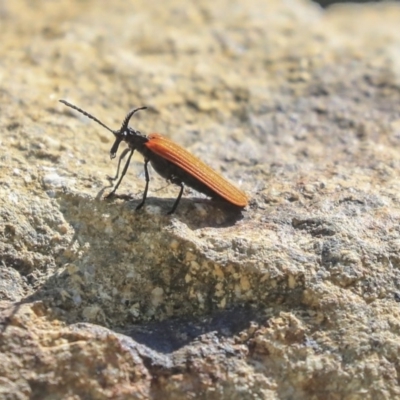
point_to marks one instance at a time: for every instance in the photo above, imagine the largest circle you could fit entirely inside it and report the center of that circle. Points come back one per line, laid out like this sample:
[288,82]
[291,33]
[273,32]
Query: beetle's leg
[123,173]
[178,199]
[123,154]
[146,174]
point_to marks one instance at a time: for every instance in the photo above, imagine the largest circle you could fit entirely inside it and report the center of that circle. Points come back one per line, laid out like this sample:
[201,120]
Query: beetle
[171,161]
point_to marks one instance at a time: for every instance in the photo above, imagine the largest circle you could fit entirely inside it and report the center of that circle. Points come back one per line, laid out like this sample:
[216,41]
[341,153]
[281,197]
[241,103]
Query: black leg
[123,154]
[122,175]
[178,199]
[146,174]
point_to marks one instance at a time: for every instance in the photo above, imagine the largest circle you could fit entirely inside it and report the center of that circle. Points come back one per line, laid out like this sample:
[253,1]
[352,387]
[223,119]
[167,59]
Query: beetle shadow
[196,212]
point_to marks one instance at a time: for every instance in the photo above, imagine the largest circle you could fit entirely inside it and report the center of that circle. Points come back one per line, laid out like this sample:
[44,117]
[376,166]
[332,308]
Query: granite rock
[295,297]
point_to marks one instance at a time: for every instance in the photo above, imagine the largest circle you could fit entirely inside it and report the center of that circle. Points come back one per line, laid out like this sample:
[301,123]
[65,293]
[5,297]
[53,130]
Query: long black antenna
[91,116]
[128,117]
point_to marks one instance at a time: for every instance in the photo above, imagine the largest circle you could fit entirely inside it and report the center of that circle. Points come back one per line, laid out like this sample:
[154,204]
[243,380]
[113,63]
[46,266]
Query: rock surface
[295,297]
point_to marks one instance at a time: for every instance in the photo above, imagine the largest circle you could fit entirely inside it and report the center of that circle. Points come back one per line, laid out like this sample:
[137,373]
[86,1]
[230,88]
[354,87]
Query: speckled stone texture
[297,297]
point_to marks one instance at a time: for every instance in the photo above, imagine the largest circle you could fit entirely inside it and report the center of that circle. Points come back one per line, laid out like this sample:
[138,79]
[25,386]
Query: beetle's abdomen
[173,162]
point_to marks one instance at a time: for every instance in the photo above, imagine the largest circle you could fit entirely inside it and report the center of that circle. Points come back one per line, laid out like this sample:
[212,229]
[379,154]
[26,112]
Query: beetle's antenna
[124,125]
[89,115]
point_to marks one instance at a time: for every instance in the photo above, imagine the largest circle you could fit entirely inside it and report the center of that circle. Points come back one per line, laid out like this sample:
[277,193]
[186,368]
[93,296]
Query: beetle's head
[119,134]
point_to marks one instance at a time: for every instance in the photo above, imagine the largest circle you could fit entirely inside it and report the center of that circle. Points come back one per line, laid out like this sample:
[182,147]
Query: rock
[295,297]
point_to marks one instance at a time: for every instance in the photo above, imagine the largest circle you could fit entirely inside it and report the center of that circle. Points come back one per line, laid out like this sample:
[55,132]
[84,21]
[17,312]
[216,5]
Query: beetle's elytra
[171,161]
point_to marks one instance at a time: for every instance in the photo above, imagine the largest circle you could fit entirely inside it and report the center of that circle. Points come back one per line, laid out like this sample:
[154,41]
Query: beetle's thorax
[133,138]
